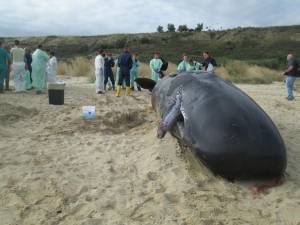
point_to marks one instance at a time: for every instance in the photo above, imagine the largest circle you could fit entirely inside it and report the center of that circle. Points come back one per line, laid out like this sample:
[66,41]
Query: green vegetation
[235,71]
[160,29]
[171,27]
[264,47]
[182,28]
[199,27]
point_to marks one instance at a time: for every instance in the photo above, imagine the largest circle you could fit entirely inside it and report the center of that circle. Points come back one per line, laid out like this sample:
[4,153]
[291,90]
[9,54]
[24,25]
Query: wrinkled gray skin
[232,135]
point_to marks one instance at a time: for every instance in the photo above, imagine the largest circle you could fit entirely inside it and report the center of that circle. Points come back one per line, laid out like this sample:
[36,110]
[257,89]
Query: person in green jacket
[118,74]
[39,66]
[134,71]
[183,65]
[3,67]
[193,66]
[155,65]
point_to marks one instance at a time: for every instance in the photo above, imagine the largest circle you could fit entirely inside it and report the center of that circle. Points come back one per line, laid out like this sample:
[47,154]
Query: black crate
[56,97]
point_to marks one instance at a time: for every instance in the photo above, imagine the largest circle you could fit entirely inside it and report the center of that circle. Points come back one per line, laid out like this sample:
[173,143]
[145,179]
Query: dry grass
[235,71]
[81,66]
[145,71]
[78,66]
[241,72]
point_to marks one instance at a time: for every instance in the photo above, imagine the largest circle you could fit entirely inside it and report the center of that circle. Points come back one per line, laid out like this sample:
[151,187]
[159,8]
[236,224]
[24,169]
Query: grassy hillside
[262,46]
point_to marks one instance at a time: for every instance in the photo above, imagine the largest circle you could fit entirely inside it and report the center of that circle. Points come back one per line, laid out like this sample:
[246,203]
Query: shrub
[160,29]
[171,27]
[183,28]
[199,27]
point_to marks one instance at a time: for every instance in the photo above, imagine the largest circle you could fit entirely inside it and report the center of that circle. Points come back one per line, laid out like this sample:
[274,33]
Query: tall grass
[242,72]
[79,66]
[145,71]
[235,71]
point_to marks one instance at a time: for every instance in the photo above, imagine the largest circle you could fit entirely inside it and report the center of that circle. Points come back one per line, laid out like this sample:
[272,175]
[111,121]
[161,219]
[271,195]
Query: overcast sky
[92,17]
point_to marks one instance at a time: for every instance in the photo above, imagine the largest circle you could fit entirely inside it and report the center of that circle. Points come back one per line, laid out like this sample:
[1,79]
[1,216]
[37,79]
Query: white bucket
[89,112]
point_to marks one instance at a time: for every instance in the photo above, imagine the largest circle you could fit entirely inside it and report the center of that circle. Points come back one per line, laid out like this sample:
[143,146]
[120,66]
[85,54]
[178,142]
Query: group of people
[126,73]
[128,69]
[34,70]
[30,70]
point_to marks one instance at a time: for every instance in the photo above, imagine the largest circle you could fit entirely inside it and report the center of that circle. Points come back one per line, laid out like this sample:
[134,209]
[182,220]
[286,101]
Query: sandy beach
[58,169]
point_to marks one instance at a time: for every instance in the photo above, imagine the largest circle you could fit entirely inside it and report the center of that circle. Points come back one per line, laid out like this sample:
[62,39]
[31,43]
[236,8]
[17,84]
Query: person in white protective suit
[99,71]
[51,68]
[18,67]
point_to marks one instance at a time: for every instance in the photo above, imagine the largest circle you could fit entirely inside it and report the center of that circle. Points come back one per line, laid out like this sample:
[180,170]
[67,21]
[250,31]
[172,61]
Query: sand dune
[57,169]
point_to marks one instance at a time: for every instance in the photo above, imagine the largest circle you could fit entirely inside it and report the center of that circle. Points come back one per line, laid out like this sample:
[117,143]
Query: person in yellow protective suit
[39,66]
[183,65]
[18,67]
[155,65]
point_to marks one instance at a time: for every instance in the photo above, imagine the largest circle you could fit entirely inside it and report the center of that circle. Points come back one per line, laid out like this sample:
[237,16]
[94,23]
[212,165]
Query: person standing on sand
[28,61]
[3,67]
[39,65]
[109,63]
[99,71]
[155,64]
[18,67]
[51,68]
[9,62]
[134,71]
[125,64]
[292,73]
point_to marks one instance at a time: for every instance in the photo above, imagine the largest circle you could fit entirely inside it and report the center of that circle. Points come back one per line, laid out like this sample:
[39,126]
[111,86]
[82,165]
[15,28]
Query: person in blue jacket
[109,63]
[125,64]
[3,67]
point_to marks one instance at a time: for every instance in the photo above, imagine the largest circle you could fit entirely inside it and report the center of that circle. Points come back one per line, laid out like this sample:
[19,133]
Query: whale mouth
[178,128]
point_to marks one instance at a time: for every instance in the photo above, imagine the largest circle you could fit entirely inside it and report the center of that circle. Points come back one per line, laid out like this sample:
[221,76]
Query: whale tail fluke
[146,83]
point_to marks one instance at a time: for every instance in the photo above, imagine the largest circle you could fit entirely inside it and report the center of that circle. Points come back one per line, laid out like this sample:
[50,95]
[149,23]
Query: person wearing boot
[109,63]
[125,64]
[134,72]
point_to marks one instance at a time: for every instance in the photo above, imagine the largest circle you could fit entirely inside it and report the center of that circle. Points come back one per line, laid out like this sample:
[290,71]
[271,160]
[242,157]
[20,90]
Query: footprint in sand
[152,176]
[172,198]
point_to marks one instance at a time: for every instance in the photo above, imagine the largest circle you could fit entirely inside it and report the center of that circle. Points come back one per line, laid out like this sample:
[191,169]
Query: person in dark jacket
[292,73]
[28,61]
[109,63]
[209,62]
[125,64]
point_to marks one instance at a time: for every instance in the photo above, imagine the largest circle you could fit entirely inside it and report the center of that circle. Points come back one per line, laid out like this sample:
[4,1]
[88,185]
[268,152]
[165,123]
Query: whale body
[229,131]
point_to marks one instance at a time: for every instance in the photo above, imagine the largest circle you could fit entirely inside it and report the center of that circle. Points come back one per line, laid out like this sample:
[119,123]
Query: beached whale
[230,133]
